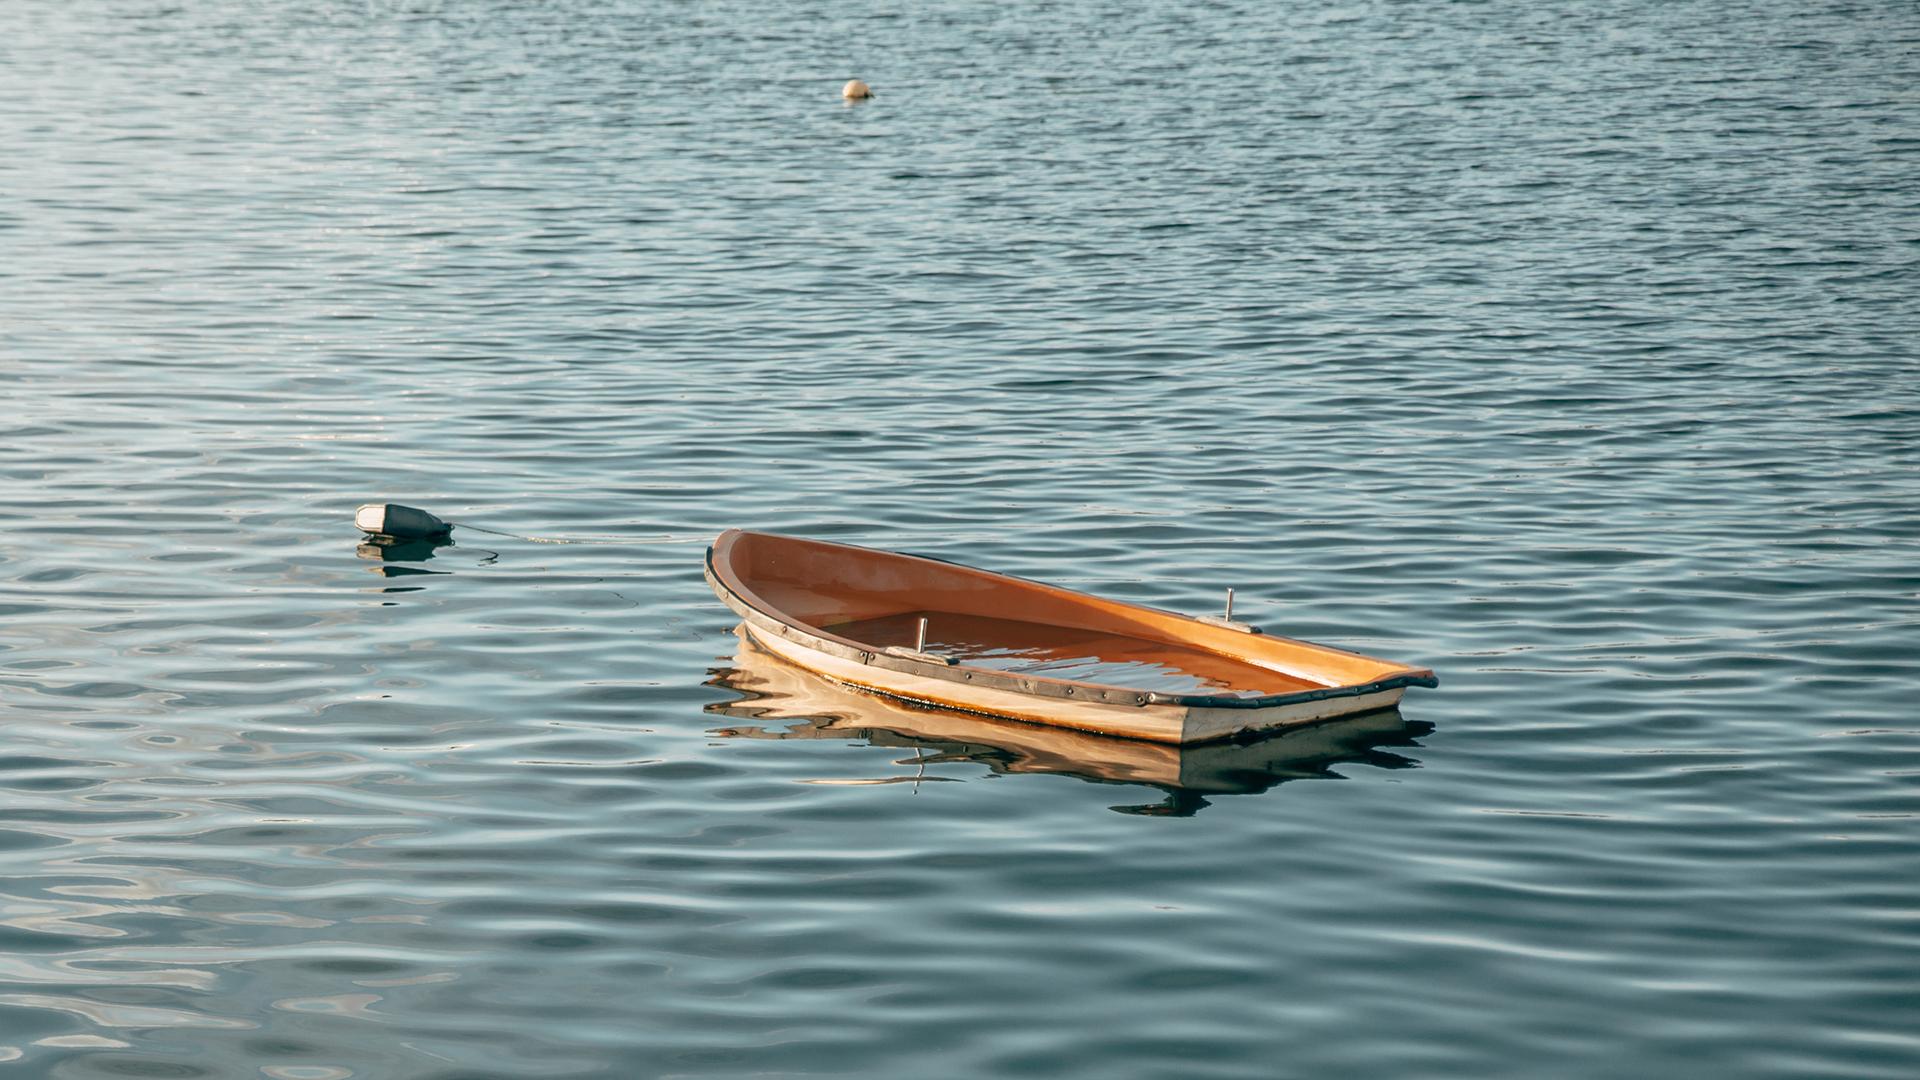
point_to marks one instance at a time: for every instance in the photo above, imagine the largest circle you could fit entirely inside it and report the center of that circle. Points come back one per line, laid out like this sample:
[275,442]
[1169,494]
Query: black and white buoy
[392,522]
[404,522]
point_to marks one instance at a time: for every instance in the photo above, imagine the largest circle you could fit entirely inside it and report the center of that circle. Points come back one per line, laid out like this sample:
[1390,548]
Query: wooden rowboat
[959,638]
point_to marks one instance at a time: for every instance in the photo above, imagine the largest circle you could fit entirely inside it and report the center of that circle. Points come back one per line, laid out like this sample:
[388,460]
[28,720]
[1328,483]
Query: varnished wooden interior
[1072,653]
[821,586]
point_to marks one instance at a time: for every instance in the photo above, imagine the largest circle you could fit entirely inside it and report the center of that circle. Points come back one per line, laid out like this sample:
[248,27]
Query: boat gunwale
[746,603]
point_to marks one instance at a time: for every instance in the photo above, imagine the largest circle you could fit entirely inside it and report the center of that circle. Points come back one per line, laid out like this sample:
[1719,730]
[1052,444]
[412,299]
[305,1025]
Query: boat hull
[1153,721]
[780,701]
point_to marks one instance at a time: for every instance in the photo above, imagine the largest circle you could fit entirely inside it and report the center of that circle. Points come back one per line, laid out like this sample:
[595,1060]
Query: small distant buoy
[391,524]
[855,90]
[405,522]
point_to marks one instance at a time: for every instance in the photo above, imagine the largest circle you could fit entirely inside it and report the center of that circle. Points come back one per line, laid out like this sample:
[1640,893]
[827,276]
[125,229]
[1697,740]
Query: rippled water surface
[1568,349]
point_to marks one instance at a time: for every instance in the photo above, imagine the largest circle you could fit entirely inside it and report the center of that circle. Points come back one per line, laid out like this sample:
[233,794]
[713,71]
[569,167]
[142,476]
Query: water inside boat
[1064,652]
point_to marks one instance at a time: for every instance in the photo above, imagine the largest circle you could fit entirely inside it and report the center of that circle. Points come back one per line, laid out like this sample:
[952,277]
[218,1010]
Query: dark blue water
[1568,349]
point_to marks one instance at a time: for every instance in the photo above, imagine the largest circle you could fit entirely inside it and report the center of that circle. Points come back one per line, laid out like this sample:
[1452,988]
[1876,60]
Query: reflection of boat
[821,709]
[942,634]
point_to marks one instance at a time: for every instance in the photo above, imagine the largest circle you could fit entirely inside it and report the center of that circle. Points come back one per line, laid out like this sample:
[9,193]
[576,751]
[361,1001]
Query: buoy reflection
[390,551]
